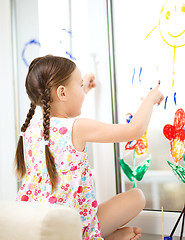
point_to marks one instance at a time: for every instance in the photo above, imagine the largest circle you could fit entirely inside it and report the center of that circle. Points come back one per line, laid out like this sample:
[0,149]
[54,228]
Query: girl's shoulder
[60,126]
[62,122]
[54,121]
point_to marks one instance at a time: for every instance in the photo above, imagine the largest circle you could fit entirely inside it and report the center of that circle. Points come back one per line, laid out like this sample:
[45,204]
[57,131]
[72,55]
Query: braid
[28,117]
[46,125]
[46,113]
[19,155]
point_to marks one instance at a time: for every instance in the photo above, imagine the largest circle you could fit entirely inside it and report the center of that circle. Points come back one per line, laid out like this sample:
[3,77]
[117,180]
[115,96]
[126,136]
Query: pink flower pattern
[75,187]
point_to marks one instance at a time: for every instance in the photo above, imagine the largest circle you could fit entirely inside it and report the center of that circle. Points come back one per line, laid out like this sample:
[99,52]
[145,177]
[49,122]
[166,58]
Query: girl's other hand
[88,82]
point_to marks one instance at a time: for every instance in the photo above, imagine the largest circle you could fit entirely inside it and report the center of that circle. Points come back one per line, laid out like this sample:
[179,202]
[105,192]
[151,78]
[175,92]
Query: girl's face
[75,94]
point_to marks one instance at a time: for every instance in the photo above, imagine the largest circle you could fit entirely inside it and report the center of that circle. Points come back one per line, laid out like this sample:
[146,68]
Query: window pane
[149,46]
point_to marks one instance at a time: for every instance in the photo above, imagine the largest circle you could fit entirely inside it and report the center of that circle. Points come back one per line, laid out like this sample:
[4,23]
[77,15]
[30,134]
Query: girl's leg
[119,210]
[125,233]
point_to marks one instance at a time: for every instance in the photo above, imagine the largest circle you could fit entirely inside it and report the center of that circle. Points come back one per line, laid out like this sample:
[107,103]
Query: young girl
[55,168]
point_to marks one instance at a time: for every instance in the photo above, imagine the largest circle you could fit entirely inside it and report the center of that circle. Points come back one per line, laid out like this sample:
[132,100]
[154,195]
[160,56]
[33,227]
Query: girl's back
[75,184]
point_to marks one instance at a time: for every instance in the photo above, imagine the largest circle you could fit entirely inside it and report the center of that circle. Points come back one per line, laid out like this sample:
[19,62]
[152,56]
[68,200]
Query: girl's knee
[139,197]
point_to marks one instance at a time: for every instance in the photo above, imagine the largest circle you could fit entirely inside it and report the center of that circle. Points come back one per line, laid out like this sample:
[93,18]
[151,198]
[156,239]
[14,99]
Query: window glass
[149,38]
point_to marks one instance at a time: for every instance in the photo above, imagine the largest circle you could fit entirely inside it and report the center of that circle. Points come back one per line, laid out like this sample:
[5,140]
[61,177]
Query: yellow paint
[173,66]
[172,11]
[143,148]
[177,35]
[151,32]
[177,149]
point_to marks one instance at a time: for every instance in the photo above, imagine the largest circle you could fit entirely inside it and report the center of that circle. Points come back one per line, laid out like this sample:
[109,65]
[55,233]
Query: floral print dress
[75,186]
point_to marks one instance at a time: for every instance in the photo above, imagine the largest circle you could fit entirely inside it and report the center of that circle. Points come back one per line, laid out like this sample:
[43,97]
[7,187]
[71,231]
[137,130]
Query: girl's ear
[61,93]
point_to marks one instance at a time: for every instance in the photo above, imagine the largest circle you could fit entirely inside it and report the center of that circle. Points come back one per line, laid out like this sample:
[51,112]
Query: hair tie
[21,134]
[46,142]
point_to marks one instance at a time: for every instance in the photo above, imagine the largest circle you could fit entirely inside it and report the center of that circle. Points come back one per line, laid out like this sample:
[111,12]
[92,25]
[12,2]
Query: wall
[8,185]
[26,29]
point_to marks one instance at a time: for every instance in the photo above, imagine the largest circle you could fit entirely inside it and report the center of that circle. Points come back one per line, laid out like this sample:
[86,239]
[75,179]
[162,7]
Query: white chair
[38,221]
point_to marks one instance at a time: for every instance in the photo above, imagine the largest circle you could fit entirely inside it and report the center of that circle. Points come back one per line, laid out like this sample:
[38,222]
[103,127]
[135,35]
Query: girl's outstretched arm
[86,130]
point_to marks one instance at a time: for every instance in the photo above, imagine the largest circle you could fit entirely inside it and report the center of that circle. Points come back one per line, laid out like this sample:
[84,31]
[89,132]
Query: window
[144,54]
[80,30]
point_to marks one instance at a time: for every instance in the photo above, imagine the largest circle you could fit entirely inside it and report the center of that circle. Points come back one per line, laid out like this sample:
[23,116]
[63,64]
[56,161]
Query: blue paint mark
[128,118]
[140,73]
[67,52]
[133,76]
[165,102]
[132,143]
[175,99]
[67,31]
[151,88]
[71,57]
[159,82]
[33,41]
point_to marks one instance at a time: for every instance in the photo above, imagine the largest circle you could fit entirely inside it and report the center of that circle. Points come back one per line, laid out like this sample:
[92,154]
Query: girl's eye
[168,15]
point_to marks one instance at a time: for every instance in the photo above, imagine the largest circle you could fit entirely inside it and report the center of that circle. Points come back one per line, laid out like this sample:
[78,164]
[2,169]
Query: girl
[55,169]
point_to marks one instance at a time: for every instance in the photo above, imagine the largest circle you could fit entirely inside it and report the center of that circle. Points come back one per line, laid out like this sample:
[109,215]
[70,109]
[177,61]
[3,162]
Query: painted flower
[176,135]
[140,145]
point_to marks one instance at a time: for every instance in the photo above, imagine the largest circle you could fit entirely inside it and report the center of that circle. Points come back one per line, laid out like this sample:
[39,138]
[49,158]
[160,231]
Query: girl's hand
[86,130]
[88,82]
[155,95]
